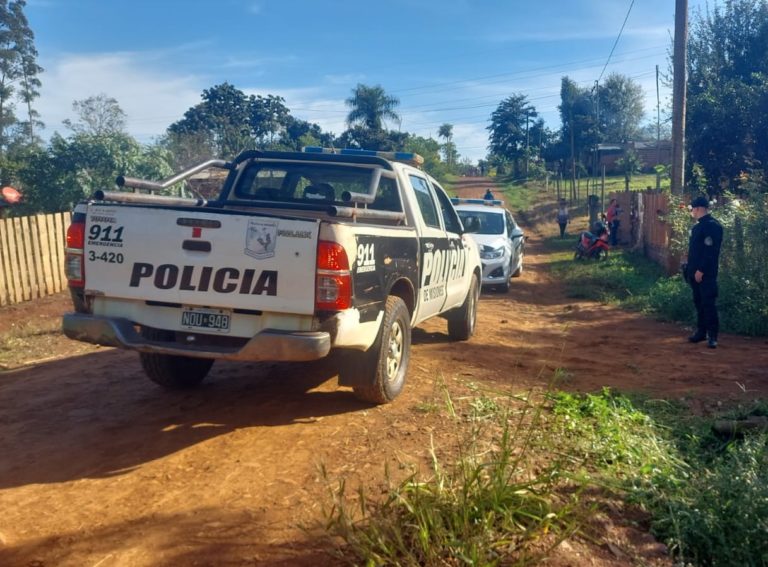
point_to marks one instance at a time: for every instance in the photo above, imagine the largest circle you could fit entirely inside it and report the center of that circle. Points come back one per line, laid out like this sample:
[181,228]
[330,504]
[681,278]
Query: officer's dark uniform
[703,256]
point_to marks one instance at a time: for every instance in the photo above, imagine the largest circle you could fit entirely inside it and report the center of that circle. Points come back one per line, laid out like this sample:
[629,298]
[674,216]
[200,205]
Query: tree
[228,122]
[445,132]
[429,149]
[449,149]
[300,133]
[268,117]
[379,140]
[509,128]
[18,75]
[648,131]
[223,120]
[29,81]
[56,177]
[621,102]
[98,115]
[578,116]
[726,121]
[370,107]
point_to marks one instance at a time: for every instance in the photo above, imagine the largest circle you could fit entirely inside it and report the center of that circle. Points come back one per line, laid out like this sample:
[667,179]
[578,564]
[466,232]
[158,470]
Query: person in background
[488,195]
[562,217]
[612,217]
[701,271]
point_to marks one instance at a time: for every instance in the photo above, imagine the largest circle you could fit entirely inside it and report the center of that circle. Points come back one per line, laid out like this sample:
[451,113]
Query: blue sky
[446,60]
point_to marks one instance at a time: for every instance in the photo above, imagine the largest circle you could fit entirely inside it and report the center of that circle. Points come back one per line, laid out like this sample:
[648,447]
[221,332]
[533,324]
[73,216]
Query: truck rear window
[313,183]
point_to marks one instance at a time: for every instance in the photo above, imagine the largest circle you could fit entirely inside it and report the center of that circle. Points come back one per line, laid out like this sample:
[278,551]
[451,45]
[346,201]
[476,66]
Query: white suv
[500,240]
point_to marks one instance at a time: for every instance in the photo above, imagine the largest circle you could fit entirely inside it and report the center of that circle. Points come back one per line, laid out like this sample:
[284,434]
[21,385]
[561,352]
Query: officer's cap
[700,201]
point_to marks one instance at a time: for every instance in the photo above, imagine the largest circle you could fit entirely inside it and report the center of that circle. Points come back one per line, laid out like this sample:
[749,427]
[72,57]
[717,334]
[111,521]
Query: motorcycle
[592,245]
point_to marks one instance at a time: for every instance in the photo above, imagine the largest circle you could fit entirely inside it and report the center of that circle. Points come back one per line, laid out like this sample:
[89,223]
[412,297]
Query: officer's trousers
[704,298]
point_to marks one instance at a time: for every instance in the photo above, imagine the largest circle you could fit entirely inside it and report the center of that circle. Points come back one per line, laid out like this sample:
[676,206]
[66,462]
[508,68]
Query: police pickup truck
[300,253]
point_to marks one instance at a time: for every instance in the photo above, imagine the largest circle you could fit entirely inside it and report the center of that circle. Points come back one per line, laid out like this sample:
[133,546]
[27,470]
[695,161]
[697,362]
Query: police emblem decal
[708,241]
[261,239]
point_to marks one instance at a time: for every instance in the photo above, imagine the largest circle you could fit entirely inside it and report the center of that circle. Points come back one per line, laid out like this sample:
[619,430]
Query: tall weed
[486,507]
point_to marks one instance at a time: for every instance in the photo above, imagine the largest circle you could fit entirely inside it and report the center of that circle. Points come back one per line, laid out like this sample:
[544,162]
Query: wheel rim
[395,351]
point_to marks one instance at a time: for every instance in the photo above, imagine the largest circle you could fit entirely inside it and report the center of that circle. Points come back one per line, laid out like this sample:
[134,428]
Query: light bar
[489,202]
[405,157]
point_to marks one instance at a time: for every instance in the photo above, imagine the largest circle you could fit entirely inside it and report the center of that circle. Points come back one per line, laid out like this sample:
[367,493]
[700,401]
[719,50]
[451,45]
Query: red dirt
[101,467]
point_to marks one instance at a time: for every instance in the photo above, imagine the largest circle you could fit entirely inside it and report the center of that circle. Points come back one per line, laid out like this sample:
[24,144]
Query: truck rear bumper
[269,345]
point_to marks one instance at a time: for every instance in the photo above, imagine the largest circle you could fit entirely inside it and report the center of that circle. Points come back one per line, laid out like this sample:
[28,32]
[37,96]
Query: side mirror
[471,224]
[517,233]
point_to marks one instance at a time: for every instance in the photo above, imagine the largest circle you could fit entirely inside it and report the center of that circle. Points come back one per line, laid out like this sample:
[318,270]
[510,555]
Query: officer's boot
[698,336]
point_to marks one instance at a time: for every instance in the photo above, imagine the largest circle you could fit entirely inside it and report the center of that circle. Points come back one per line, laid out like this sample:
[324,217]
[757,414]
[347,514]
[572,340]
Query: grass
[483,508]
[519,196]
[530,473]
[626,279]
[639,182]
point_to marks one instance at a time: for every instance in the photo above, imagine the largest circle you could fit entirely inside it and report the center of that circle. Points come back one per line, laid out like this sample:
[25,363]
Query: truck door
[456,263]
[433,251]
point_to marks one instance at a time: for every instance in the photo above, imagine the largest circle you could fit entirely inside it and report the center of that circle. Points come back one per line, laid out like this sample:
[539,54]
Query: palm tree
[370,106]
[446,132]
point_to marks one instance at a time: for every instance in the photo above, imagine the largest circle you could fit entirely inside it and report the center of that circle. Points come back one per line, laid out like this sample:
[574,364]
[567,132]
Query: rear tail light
[333,291]
[74,267]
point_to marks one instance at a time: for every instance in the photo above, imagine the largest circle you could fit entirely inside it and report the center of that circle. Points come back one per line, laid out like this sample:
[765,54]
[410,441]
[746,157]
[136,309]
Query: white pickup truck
[301,253]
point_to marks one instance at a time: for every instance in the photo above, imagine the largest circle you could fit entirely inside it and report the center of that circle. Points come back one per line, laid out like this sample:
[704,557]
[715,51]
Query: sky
[447,61]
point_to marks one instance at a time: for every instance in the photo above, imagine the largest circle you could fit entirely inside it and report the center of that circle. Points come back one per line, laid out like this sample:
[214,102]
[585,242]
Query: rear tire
[170,371]
[461,326]
[378,374]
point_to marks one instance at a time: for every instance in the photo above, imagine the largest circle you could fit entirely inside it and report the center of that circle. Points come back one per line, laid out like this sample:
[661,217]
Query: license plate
[206,319]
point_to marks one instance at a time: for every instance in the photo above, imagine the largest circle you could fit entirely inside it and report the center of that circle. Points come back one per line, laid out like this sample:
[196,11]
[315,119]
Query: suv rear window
[313,183]
[489,222]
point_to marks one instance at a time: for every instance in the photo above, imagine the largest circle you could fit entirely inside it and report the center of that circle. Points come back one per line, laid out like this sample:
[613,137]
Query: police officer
[701,270]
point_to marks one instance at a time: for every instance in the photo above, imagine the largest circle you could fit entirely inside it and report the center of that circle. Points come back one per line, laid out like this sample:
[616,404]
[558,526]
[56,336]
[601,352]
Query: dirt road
[100,467]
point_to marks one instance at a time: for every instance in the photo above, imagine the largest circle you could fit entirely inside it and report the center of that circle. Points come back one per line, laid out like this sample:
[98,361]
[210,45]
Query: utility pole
[596,160]
[658,130]
[679,60]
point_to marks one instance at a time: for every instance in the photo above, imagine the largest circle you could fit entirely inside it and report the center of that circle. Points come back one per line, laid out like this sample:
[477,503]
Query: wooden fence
[32,256]
[643,226]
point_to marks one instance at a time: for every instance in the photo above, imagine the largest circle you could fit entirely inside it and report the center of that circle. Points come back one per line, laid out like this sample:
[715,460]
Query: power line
[615,43]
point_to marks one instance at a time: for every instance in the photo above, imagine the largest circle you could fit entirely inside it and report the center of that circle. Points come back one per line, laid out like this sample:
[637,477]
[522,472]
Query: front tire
[519,271]
[378,374]
[461,326]
[170,371]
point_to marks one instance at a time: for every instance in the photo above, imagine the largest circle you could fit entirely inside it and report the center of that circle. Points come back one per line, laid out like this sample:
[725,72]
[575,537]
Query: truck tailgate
[199,258]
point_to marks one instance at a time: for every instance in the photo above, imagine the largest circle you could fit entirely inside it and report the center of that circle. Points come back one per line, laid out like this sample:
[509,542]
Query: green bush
[671,299]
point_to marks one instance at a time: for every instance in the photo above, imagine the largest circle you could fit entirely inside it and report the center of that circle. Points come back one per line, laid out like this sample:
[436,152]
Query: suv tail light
[333,290]
[74,267]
